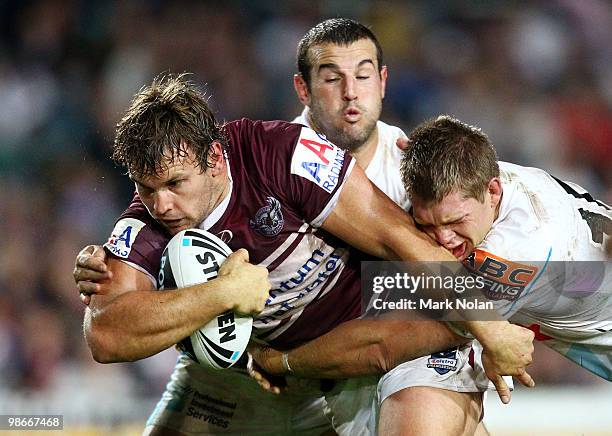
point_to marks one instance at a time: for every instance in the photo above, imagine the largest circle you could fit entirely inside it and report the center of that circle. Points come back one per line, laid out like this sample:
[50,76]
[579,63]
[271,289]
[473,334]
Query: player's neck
[365,153]
[225,187]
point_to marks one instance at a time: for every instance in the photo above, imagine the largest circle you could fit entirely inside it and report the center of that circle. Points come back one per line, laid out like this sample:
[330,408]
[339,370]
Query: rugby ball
[191,257]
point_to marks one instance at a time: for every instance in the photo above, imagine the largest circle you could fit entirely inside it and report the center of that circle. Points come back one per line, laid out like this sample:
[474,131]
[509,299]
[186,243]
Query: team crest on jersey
[123,237]
[503,279]
[443,362]
[317,159]
[269,219]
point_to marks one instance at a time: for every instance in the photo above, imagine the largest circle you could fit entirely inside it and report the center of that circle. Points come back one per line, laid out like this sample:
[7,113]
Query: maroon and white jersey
[285,181]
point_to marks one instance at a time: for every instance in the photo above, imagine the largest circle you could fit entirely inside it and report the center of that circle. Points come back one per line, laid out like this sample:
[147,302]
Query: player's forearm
[364,347]
[135,325]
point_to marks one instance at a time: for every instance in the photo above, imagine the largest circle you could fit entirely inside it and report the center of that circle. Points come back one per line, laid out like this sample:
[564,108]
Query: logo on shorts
[269,219]
[444,361]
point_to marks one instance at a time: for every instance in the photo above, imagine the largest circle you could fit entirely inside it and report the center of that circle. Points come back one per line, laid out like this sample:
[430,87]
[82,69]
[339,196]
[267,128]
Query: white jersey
[535,260]
[384,169]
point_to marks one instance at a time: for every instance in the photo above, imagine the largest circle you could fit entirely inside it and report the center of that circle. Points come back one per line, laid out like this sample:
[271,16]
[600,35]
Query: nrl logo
[269,219]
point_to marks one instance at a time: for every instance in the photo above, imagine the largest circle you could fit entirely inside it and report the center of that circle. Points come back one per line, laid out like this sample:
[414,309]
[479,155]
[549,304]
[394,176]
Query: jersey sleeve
[297,164]
[138,240]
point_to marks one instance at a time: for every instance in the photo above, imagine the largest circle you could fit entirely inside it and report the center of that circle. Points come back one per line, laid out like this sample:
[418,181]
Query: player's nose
[444,236]
[349,89]
[162,203]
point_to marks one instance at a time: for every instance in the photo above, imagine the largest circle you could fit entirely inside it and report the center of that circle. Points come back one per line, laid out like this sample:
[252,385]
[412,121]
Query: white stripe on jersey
[334,200]
[281,248]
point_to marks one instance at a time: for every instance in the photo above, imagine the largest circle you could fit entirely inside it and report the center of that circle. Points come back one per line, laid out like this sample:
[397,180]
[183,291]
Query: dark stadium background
[535,75]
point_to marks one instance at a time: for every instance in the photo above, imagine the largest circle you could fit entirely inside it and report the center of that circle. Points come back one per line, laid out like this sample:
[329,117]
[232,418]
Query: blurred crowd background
[535,75]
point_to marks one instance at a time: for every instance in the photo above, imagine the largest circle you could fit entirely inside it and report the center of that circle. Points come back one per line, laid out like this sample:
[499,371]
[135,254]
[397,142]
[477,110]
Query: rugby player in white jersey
[337,62]
[541,241]
[361,108]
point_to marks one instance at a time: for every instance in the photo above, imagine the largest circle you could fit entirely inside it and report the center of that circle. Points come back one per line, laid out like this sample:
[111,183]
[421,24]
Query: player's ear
[383,80]
[301,89]
[495,191]
[215,162]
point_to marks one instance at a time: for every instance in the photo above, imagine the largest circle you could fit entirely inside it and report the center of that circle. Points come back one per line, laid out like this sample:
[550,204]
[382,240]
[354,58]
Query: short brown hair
[168,115]
[339,31]
[444,155]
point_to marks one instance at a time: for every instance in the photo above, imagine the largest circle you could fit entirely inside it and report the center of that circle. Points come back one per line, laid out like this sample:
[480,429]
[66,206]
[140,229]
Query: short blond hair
[446,155]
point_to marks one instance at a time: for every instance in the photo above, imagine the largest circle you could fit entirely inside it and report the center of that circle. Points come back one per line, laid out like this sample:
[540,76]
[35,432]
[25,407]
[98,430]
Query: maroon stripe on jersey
[331,279]
[267,333]
[285,254]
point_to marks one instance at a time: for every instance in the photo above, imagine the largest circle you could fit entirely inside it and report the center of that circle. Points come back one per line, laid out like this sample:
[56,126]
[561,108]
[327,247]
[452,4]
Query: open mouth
[459,250]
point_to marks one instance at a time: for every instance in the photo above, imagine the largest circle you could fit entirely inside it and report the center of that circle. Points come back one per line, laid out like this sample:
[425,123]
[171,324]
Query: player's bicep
[125,278]
[367,219]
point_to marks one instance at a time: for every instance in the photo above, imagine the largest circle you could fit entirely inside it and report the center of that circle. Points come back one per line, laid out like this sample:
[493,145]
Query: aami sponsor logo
[123,236]
[325,266]
[503,279]
[318,160]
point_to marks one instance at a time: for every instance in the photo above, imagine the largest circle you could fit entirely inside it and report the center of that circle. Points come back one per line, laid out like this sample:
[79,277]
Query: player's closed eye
[144,190]
[175,183]
[427,228]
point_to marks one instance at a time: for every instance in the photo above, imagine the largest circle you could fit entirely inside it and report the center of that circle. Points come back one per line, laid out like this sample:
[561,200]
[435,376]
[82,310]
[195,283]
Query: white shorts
[208,402]
[353,405]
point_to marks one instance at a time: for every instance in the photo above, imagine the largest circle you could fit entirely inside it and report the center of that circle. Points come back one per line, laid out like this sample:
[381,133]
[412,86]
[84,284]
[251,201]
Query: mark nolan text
[432,304]
[459,303]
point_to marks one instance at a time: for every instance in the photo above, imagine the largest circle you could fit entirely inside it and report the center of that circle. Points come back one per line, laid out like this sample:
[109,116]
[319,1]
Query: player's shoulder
[534,178]
[388,135]
[389,129]
[260,129]
[525,227]
[261,143]
[277,143]
[137,238]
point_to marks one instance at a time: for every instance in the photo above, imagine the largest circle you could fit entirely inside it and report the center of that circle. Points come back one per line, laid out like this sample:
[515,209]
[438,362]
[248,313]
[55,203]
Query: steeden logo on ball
[192,257]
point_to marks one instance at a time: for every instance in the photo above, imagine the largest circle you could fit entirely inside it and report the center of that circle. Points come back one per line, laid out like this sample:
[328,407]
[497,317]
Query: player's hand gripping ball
[191,257]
